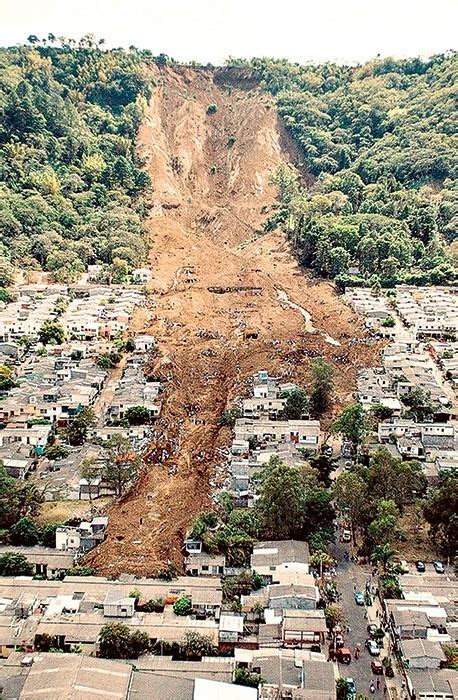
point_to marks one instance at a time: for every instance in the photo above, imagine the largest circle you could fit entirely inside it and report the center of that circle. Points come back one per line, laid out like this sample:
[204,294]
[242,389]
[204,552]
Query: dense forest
[380,141]
[70,182]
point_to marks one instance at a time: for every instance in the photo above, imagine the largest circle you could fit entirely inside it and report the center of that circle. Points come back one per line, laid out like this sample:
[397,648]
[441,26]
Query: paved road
[348,575]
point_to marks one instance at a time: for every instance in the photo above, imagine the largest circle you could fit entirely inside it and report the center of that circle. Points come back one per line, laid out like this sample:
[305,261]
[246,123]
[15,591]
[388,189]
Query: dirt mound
[228,300]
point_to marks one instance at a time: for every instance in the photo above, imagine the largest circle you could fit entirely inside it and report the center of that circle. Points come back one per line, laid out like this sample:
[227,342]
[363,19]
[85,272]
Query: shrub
[24,532]
[212,108]
[182,606]
[14,564]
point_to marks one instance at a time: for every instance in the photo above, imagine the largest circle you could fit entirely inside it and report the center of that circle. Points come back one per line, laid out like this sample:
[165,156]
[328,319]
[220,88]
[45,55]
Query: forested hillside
[381,141]
[70,182]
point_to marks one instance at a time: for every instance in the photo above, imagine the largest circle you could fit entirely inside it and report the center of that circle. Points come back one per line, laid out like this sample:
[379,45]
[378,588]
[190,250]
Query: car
[327,451]
[372,629]
[351,685]
[359,598]
[376,668]
[372,647]
[346,536]
[420,566]
[343,655]
[348,464]
[439,567]
[339,641]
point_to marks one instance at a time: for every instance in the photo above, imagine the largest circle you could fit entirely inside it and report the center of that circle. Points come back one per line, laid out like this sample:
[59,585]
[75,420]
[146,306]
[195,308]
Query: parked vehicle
[376,668]
[346,536]
[420,566]
[359,598]
[351,686]
[343,655]
[339,641]
[439,567]
[372,647]
[348,464]
[372,629]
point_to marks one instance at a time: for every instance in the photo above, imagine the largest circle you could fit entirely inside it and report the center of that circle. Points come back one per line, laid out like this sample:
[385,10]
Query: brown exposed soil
[221,301]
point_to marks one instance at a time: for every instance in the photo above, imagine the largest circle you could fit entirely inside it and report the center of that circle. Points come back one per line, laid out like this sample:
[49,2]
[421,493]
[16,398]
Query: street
[348,575]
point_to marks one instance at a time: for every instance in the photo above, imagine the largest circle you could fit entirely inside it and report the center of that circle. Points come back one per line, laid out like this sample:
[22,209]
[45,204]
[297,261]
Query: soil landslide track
[226,301]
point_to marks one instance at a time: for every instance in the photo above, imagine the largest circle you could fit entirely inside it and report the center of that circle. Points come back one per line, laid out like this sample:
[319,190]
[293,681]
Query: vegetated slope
[382,140]
[70,185]
[228,302]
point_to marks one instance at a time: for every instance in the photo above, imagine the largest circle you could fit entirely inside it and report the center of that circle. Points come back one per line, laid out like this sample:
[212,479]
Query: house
[421,653]
[46,561]
[141,275]
[409,623]
[230,628]
[83,537]
[293,596]
[304,433]
[270,558]
[65,676]
[117,605]
[432,684]
[302,628]
[144,342]
[204,565]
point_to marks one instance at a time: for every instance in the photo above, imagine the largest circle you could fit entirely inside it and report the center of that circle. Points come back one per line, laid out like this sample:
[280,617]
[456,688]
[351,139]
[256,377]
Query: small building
[205,565]
[302,628]
[422,653]
[116,605]
[141,275]
[271,557]
[293,596]
[433,685]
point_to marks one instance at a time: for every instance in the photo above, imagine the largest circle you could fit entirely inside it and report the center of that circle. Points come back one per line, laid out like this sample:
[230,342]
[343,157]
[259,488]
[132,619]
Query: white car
[346,536]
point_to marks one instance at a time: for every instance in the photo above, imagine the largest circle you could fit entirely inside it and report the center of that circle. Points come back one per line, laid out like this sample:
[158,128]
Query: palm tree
[385,554]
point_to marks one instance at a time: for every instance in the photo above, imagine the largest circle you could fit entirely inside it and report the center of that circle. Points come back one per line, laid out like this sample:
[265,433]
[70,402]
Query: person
[372,687]
[385,690]
[356,654]
[378,683]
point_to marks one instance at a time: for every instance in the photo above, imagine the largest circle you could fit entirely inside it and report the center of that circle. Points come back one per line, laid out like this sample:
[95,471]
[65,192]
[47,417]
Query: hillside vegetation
[381,141]
[70,185]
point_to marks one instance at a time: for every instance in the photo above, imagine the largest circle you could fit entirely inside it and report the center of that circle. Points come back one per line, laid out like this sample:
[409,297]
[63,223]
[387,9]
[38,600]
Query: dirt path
[222,310]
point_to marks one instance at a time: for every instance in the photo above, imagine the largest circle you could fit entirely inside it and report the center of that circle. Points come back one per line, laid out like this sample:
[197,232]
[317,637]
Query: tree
[212,108]
[90,470]
[198,645]
[116,641]
[441,512]
[393,479]
[420,403]
[182,606]
[137,415]
[51,332]
[334,615]
[296,406]
[385,555]
[121,464]
[129,345]
[24,532]
[351,492]
[76,432]
[322,386]
[48,534]
[384,528]
[291,502]
[14,564]
[242,676]
[6,378]
[352,423]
